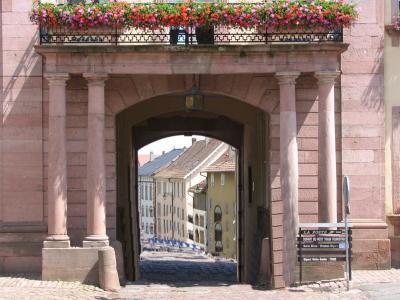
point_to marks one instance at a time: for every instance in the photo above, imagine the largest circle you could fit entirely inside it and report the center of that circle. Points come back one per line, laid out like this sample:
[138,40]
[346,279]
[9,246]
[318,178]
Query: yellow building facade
[222,207]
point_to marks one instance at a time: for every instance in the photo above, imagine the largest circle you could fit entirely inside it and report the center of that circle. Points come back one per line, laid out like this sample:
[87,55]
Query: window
[178,212]
[146,192]
[159,187]
[212,179]
[151,229]
[183,230]
[147,211]
[151,211]
[147,228]
[219,247]
[164,209]
[142,208]
[183,214]
[78,1]
[218,232]
[217,214]
[158,209]
[164,191]
[222,179]
[170,224]
[164,226]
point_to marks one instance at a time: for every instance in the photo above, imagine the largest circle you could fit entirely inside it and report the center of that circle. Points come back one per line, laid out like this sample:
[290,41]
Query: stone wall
[21,141]
[363,136]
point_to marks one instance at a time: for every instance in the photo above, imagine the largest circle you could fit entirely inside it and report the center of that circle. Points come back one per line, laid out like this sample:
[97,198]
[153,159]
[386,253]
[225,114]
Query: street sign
[323,242]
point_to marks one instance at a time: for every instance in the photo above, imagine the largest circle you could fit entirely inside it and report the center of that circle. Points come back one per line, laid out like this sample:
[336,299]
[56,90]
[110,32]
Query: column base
[57,241]
[96,241]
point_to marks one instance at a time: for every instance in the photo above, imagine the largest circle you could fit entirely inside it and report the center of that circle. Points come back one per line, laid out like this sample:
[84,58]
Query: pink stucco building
[73,115]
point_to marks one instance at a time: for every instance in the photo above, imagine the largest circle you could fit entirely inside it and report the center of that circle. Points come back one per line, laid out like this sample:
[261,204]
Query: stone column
[96,174]
[57,163]
[289,173]
[327,185]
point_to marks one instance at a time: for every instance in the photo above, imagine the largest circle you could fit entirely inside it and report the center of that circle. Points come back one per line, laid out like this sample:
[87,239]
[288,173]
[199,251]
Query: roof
[225,163]
[189,159]
[200,187]
[149,168]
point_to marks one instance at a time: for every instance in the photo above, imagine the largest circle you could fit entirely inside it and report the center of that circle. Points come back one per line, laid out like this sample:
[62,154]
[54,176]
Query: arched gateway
[257,98]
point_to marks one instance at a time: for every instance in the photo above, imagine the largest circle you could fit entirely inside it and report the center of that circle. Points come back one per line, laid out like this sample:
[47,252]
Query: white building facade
[147,191]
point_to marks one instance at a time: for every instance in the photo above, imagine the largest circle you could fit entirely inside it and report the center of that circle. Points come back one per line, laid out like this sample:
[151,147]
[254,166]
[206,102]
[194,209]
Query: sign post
[346,193]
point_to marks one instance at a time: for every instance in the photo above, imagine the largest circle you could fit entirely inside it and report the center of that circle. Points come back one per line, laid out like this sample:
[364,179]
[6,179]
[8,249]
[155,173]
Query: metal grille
[218,35]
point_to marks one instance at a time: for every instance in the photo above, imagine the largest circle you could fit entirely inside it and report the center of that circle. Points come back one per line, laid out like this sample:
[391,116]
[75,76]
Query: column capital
[327,76]
[95,78]
[56,78]
[287,77]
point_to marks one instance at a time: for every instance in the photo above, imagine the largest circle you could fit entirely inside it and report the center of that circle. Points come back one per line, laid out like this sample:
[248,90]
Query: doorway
[226,119]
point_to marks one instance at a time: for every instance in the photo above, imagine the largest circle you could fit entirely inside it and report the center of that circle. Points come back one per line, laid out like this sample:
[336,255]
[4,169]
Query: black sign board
[322,245]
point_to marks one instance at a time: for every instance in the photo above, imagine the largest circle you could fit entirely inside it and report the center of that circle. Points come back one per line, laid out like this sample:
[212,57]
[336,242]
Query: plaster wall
[392,129]
[225,197]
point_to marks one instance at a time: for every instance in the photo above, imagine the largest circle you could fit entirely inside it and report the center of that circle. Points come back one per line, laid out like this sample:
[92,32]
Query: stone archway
[224,118]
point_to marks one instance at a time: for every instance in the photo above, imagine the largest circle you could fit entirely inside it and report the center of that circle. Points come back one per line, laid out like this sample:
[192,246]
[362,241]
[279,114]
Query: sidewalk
[366,285]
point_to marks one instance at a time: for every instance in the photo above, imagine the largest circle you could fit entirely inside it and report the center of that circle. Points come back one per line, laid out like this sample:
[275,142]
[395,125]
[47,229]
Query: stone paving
[383,284]
[171,267]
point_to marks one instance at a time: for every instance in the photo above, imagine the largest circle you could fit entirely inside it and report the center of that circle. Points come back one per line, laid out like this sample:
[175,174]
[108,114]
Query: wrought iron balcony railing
[184,36]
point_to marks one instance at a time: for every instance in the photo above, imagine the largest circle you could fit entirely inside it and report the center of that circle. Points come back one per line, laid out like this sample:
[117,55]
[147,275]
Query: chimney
[163,152]
[151,155]
[207,140]
[193,140]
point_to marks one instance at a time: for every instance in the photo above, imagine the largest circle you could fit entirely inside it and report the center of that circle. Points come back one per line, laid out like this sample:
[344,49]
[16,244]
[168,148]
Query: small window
[74,2]
[218,232]
[219,247]
[222,179]
[217,213]
[212,179]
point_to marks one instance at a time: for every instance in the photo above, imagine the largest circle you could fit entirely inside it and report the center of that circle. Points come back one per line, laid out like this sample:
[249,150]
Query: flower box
[328,14]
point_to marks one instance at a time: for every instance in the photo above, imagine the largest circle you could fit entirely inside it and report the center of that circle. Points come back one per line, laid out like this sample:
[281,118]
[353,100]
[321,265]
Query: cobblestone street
[170,267]
[199,279]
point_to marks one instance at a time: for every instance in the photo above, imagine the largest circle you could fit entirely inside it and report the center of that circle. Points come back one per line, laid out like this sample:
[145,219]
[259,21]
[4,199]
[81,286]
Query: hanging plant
[277,15]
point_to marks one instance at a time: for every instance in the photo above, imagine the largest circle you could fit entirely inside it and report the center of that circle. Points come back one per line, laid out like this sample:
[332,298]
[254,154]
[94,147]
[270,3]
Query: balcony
[220,36]
[192,23]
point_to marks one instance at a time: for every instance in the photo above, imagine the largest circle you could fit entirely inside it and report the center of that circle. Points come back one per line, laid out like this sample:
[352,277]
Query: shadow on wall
[29,61]
[373,97]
